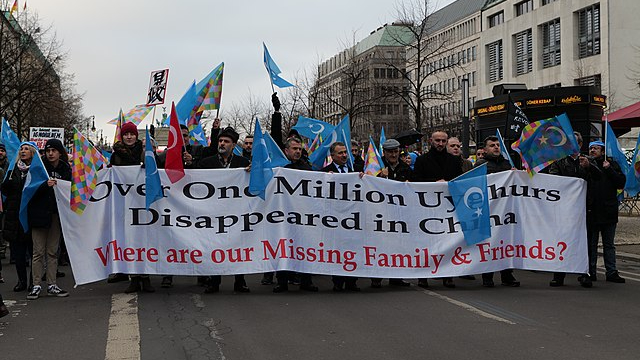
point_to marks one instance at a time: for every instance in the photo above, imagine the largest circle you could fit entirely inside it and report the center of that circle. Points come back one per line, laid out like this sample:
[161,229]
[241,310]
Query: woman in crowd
[44,221]
[130,151]
[21,244]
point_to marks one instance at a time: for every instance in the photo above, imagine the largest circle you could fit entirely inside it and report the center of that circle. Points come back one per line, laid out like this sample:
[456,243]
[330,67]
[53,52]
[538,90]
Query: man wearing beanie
[225,159]
[45,221]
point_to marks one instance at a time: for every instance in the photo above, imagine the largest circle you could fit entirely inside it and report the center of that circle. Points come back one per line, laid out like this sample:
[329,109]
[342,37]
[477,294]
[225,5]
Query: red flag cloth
[174,165]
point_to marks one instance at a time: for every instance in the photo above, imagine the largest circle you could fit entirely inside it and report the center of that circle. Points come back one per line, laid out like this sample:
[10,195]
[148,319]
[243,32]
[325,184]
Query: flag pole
[153,116]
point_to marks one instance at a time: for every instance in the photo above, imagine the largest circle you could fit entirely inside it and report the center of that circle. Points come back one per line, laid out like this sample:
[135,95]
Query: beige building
[362,81]
[551,43]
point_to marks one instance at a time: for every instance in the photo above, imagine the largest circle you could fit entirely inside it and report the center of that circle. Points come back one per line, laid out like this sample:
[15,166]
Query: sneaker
[34,294]
[615,277]
[54,290]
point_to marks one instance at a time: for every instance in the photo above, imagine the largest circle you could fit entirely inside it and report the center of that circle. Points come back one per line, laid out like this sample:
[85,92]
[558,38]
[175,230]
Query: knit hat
[230,133]
[3,147]
[596,143]
[55,144]
[129,128]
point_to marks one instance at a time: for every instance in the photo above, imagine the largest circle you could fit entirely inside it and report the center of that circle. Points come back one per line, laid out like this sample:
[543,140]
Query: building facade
[364,81]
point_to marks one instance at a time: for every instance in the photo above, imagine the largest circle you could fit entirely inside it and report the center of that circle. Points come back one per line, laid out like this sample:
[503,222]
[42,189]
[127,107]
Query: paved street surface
[534,321]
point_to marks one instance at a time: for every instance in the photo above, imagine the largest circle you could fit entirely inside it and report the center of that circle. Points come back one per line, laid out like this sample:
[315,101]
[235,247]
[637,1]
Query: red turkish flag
[173,165]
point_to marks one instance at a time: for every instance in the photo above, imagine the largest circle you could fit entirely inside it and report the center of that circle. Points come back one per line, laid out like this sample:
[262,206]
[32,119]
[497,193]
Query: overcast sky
[114,45]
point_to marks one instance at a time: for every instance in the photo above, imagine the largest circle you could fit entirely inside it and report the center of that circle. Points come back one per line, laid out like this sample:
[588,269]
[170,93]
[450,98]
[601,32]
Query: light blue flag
[342,132]
[36,176]
[237,150]
[261,164]
[613,150]
[153,186]
[471,200]
[309,128]
[383,138]
[278,159]
[11,142]
[503,149]
[274,70]
[106,154]
[632,186]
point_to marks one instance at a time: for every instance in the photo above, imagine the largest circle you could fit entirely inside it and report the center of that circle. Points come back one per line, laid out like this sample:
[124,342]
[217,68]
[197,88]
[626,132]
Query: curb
[624,256]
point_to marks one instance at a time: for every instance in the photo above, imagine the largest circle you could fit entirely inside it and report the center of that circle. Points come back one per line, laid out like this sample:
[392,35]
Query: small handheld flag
[153,186]
[503,148]
[471,200]
[274,70]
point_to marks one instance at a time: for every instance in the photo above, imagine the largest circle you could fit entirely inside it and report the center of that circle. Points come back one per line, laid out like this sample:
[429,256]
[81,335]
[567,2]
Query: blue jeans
[608,232]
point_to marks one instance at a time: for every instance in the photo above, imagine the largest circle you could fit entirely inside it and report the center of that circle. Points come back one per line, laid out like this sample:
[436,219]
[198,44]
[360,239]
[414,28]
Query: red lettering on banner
[183,256]
[129,254]
[232,255]
[421,259]
[537,251]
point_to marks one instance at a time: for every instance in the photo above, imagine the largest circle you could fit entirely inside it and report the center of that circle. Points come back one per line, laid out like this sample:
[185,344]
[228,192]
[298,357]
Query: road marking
[627,275]
[123,340]
[468,307]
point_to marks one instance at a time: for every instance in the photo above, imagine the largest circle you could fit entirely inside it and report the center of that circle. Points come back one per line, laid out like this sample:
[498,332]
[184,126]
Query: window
[496,19]
[376,73]
[551,43]
[593,80]
[589,31]
[552,86]
[547,2]
[524,52]
[494,50]
[524,7]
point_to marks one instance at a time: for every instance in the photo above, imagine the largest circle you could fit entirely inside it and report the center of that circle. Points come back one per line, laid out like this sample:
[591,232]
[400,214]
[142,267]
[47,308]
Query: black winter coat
[127,155]
[602,196]
[43,204]
[213,162]
[12,189]
[495,164]
[402,172]
[436,165]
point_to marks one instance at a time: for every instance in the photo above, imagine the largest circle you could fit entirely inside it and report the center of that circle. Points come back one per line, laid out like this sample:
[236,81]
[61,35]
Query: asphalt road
[534,321]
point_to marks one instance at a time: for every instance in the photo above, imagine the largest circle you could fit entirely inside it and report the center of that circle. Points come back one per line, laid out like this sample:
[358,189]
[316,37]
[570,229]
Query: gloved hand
[275,101]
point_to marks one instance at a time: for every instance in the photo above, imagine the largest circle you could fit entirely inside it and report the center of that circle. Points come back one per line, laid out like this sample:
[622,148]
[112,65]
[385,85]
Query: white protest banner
[40,135]
[319,223]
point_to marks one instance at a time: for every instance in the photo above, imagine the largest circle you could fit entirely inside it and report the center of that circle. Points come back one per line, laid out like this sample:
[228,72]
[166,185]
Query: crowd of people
[41,243]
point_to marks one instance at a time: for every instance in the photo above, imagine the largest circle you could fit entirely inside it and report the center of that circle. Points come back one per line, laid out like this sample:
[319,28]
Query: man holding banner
[225,159]
[605,179]
[574,165]
[435,166]
[496,163]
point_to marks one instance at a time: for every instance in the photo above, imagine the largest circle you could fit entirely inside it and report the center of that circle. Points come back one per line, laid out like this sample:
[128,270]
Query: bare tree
[34,90]
[422,48]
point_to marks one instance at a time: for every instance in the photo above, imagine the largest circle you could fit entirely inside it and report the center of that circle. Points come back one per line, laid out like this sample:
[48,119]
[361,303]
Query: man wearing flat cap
[225,159]
[605,178]
[394,169]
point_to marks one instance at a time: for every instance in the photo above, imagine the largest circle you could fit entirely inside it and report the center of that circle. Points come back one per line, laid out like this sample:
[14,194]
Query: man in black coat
[605,179]
[358,161]
[225,159]
[435,166]
[575,165]
[338,151]
[496,163]
[293,152]
[397,170]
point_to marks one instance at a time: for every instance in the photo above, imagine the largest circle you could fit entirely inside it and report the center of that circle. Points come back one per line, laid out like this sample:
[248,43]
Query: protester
[247,146]
[454,147]
[605,178]
[435,166]
[397,170]
[21,243]
[225,159]
[574,165]
[212,149]
[479,154]
[338,151]
[293,152]
[358,161]
[130,151]
[190,156]
[4,165]
[496,163]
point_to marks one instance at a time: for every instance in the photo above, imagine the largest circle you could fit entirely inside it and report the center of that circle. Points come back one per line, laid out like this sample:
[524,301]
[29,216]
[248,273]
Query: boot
[146,285]
[134,285]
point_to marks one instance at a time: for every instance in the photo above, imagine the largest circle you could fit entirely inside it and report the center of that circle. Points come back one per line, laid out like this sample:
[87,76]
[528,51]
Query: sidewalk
[628,238]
